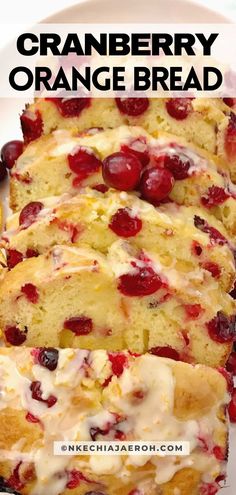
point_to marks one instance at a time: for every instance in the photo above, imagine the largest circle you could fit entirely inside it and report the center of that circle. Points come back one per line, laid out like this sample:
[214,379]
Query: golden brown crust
[211,390]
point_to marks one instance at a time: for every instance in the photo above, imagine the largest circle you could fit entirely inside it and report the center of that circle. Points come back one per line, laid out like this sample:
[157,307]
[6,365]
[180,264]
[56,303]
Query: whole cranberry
[132,106]
[83,162]
[37,394]
[165,351]
[232,407]
[48,358]
[3,172]
[231,363]
[32,125]
[230,137]
[13,258]
[222,328]
[179,164]
[230,102]
[70,107]
[144,282]
[10,152]
[15,336]
[118,361]
[156,184]
[122,170]
[29,213]
[31,292]
[179,108]
[79,325]
[125,224]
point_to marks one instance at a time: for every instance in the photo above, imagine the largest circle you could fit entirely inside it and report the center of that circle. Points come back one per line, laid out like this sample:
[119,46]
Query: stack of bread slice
[116,313]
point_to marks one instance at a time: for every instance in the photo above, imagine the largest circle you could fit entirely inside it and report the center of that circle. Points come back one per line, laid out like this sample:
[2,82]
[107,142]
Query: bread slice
[44,170]
[97,220]
[208,123]
[75,395]
[76,297]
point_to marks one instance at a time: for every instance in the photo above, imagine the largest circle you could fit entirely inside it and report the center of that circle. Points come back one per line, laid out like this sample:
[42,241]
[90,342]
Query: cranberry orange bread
[77,395]
[63,162]
[209,123]
[129,299]
[98,219]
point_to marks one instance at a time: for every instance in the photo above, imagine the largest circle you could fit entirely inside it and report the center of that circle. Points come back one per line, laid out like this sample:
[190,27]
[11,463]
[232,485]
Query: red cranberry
[135,491]
[212,267]
[138,147]
[31,418]
[32,125]
[193,311]
[143,282]
[209,489]
[32,253]
[29,213]
[132,106]
[120,435]
[24,178]
[102,188]
[166,352]
[156,184]
[70,107]
[230,136]
[83,162]
[215,196]
[219,453]
[15,336]
[222,328]
[233,291]
[125,224]
[179,108]
[10,152]
[232,407]
[215,236]
[196,248]
[228,377]
[74,479]
[13,258]
[80,325]
[5,487]
[48,358]
[231,363]
[14,481]
[95,431]
[35,388]
[122,171]
[118,362]
[230,102]
[220,478]
[31,292]
[3,172]
[178,164]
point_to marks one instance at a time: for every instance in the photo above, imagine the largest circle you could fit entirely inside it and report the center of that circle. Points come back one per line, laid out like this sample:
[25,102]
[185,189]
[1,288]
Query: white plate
[126,11]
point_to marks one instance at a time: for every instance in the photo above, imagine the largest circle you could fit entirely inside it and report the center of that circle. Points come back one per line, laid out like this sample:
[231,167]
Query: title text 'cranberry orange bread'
[63,162]
[129,299]
[209,123]
[77,395]
[95,219]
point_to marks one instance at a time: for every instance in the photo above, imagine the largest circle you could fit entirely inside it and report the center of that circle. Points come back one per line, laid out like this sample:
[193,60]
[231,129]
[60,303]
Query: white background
[31,11]
[28,12]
